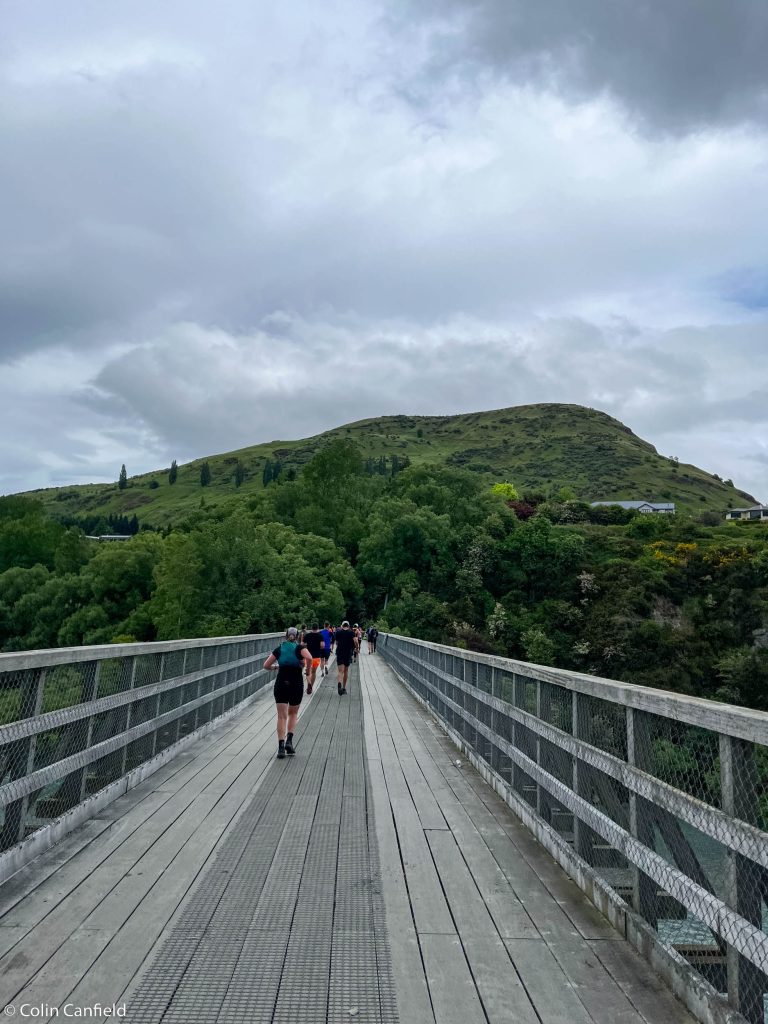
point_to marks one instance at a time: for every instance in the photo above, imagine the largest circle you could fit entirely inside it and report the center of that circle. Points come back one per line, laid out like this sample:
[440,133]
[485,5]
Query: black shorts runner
[289,686]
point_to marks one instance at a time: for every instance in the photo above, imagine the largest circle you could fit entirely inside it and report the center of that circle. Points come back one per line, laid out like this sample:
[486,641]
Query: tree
[173,473]
[205,474]
[266,476]
[122,480]
[507,491]
[337,462]
[239,473]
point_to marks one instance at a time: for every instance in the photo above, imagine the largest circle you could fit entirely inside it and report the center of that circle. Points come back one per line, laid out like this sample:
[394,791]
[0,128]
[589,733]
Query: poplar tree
[122,480]
[205,474]
[173,473]
[239,473]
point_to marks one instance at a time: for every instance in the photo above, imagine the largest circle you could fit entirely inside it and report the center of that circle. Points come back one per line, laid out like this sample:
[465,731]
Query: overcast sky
[222,224]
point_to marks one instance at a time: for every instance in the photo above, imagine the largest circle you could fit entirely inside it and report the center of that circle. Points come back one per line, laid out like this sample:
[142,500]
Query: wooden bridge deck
[398,888]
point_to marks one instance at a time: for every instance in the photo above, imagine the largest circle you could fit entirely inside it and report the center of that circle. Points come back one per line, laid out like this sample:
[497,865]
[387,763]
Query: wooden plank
[451,985]
[114,939]
[54,887]
[498,985]
[555,999]
[421,793]
[28,878]
[172,823]
[490,813]
[604,999]
[126,951]
[55,978]
[427,899]
[510,917]
[430,910]
[414,1005]
[49,940]
[642,986]
[540,904]
[32,875]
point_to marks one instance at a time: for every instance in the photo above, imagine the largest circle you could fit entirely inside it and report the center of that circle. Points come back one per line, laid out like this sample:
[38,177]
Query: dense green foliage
[432,552]
[539,447]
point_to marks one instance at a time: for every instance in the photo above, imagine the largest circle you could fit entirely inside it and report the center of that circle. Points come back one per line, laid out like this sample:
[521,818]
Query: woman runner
[290,658]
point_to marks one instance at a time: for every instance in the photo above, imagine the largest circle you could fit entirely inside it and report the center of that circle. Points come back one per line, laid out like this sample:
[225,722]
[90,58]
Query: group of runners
[301,655]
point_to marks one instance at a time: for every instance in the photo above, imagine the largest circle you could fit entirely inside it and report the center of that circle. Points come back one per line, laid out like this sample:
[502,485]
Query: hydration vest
[289,656]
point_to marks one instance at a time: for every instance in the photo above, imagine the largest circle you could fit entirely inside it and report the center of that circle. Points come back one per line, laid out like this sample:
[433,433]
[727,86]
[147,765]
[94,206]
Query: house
[644,507]
[757,513]
[111,536]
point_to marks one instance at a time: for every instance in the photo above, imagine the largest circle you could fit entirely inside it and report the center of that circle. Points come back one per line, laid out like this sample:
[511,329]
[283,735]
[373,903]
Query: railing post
[128,715]
[92,690]
[644,890]
[578,828]
[543,801]
[746,984]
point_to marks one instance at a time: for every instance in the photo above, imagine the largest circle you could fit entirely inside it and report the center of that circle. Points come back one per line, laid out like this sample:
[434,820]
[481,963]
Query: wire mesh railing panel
[603,725]
[663,797]
[73,721]
[684,756]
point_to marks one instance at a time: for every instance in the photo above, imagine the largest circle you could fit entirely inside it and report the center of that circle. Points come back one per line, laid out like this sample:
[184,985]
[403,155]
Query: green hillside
[534,446]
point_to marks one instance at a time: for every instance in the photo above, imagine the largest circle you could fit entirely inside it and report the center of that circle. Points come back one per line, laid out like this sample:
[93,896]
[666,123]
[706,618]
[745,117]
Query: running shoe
[289,748]
[280,753]
[309,689]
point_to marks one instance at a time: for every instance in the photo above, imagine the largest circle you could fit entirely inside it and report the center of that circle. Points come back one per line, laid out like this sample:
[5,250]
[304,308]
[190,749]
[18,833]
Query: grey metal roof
[636,504]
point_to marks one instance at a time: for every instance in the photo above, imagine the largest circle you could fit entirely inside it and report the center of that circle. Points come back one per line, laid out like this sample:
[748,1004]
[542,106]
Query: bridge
[463,839]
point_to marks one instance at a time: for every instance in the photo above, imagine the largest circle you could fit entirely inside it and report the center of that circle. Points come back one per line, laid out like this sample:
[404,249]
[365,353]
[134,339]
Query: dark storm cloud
[675,64]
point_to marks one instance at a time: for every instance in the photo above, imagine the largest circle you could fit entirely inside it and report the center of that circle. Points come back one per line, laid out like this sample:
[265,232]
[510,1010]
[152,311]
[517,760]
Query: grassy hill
[533,446]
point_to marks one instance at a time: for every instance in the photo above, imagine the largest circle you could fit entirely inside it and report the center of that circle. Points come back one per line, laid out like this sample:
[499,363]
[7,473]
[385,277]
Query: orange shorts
[315,663]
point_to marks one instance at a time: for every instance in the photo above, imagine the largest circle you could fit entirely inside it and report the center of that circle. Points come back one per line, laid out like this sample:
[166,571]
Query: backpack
[288,655]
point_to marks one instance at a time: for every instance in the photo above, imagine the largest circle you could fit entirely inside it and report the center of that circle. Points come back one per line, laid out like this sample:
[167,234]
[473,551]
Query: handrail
[74,721]
[659,797]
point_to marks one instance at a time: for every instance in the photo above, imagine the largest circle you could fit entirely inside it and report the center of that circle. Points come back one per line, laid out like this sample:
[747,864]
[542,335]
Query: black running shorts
[344,660]
[289,687]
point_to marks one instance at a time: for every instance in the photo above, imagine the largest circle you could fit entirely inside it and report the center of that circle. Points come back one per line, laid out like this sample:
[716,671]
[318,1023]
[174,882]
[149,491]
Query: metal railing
[660,798]
[75,720]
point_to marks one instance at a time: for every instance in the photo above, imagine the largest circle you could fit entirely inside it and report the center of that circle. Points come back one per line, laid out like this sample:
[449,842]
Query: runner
[356,631]
[313,640]
[325,657]
[345,648]
[288,659]
[372,635]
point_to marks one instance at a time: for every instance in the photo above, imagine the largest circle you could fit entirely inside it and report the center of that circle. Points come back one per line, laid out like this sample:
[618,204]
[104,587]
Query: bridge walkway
[370,878]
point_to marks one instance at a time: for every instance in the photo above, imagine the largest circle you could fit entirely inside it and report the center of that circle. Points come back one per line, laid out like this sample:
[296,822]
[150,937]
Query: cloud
[205,217]
[203,390]
[675,66]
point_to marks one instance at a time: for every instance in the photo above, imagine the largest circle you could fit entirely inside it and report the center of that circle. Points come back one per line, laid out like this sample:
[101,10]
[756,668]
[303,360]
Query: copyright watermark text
[43,1010]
